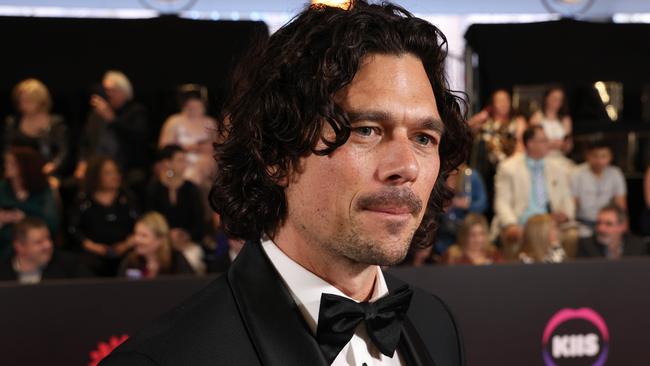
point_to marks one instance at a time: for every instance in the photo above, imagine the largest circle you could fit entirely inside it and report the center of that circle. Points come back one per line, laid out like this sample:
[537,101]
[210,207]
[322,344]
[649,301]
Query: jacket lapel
[411,346]
[277,330]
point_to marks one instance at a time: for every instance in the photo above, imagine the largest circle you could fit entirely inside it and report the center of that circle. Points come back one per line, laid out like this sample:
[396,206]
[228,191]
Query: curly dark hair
[286,92]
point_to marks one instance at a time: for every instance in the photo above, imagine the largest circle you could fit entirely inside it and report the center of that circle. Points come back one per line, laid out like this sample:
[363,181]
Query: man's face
[365,200]
[554,100]
[116,96]
[501,103]
[608,228]
[178,163]
[36,248]
[537,147]
[599,159]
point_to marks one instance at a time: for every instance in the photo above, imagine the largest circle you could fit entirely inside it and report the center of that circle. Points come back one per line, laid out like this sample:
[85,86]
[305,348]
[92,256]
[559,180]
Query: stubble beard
[359,248]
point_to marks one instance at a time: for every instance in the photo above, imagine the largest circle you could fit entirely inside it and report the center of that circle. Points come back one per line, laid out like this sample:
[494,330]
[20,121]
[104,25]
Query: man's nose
[398,164]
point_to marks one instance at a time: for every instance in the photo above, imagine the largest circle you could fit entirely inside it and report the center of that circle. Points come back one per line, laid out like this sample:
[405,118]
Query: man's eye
[425,140]
[364,131]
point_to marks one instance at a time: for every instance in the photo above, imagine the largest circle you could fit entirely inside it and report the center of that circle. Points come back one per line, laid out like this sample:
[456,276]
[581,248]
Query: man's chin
[384,256]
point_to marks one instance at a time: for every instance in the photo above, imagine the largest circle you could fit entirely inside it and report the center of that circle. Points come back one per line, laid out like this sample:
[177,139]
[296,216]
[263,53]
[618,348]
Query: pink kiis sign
[575,345]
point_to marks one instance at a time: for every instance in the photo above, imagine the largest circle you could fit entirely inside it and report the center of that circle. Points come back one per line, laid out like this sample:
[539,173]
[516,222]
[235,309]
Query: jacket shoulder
[512,164]
[436,326]
[206,329]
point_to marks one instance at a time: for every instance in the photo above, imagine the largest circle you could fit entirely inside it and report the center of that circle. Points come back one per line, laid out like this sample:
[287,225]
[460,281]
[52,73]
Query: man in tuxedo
[335,151]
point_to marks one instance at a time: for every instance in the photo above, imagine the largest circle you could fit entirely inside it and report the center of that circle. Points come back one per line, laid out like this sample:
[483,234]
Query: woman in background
[541,241]
[35,126]
[473,244]
[554,118]
[24,192]
[499,134]
[180,202]
[152,253]
[103,217]
[193,130]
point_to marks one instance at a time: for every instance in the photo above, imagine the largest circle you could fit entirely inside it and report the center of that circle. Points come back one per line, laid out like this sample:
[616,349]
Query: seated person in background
[175,197]
[612,239]
[473,245]
[528,184]
[34,256]
[34,126]
[470,198]
[103,217]
[180,202]
[595,184]
[555,119]
[499,127]
[192,129]
[25,191]
[117,127]
[541,241]
[152,253]
[499,134]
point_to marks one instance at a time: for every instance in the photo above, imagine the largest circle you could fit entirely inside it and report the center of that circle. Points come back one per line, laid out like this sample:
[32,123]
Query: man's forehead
[389,85]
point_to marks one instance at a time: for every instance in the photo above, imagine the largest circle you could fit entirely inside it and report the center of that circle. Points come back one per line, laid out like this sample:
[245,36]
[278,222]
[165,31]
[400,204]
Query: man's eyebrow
[434,124]
[427,123]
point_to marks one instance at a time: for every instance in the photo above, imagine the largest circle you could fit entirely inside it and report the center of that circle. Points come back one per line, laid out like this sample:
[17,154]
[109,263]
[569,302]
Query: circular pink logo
[572,334]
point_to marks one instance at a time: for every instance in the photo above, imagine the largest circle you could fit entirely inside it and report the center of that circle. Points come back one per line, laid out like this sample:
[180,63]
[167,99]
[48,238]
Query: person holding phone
[116,127]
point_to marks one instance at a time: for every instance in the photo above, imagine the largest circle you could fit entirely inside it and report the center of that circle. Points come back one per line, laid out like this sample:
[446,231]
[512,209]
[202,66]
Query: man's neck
[353,279]
[24,265]
[614,244]
[597,173]
[551,115]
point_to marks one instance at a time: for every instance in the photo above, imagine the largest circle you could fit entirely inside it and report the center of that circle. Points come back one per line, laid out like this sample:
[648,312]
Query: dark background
[570,52]
[71,55]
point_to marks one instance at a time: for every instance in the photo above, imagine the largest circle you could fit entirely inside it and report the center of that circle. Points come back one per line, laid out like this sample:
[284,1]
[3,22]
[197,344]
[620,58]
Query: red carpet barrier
[583,313]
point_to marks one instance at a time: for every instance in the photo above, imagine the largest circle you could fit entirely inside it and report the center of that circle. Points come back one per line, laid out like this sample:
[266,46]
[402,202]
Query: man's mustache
[391,198]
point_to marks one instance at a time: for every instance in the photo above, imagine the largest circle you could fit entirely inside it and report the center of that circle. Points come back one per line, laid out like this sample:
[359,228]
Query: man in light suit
[528,184]
[336,149]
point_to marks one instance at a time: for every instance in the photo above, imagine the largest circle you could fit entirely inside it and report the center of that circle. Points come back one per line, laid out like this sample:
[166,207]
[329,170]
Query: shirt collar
[534,163]
[306,288]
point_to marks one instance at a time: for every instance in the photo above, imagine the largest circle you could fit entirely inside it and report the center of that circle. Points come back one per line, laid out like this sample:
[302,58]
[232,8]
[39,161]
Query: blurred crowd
[522,199]
[90,222]
[518,199]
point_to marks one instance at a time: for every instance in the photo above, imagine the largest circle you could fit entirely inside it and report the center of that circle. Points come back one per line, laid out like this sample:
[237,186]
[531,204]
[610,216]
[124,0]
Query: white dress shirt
[306,289]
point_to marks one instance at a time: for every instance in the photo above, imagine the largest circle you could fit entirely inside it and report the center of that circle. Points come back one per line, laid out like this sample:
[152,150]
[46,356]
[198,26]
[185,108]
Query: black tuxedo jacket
[248,317]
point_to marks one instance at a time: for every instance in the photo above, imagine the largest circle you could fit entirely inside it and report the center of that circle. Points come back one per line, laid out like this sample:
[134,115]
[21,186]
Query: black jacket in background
[633,246]
[248,317]
[62,265]
[124,139]
[186,213]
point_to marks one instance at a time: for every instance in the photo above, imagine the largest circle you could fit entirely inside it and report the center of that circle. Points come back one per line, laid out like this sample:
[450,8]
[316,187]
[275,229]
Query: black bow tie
[338,317]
